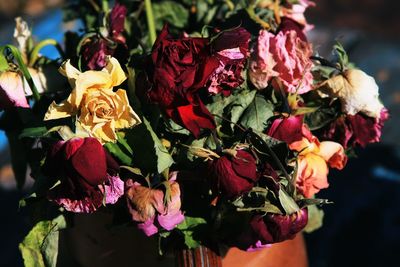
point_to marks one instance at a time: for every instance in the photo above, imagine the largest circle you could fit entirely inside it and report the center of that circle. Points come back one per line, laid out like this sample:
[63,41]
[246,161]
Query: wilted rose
[233,175]
[283,59]
[87,174]
[353,130]
[357,92]
[180,67]
[287,129]
[96,49]
[296,11]
[147,207]
[100,110]
[231,48]
[271,228]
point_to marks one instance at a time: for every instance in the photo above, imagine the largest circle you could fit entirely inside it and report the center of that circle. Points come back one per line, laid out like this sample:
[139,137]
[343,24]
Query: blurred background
[362,227]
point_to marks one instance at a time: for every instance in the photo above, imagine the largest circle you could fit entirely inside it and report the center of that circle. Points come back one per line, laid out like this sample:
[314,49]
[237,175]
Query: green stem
[105,6]
[17,56]
[35,52]
[150,21]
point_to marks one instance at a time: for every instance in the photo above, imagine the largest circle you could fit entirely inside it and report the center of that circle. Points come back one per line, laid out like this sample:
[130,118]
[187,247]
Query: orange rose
[314,160]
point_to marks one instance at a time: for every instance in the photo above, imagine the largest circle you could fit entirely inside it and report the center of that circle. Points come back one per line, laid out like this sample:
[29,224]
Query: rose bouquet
[207,123]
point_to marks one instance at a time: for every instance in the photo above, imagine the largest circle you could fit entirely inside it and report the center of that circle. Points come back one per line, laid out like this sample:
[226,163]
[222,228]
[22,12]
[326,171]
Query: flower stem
[104,5]
[150,21]
[17,56]
[35,52]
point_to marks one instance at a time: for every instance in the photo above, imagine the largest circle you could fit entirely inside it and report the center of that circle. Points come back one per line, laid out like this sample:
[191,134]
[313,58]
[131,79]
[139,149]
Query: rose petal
[88,204]
[11,91]
[312,174]
[333,153]
[114,189]
[288,129]
[148,227]
[173,215]
[90,161]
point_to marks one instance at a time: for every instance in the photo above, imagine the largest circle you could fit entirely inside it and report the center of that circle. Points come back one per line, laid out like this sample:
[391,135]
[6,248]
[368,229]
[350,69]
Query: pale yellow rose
[99,110]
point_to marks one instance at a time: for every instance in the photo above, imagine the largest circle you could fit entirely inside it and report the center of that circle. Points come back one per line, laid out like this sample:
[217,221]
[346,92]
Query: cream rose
[357,91]
[99,110]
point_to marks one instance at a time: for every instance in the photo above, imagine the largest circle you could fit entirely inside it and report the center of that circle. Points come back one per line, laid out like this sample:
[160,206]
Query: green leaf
[257,114]
[175,128]
[40,247]
[122,141]
[315,219]
[170,12]
[116,150]
[3,63]
[231,107]
[342,55]
[149,154]
[133,99]
[240,104]
[287,202]
[188,228]
[33,132]
[321,117]
[164,159]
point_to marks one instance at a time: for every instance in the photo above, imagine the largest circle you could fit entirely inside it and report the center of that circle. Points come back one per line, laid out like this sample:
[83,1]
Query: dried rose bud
[234,175]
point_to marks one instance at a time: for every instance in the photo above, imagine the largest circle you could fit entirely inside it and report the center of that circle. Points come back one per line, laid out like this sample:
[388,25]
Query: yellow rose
[99,110]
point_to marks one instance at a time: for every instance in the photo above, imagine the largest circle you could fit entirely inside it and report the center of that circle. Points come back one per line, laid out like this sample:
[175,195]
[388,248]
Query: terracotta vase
[291,253]
[92,242]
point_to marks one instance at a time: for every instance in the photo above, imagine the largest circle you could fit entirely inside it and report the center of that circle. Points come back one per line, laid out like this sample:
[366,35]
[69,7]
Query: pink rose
[296,13]
[283,59]
[147,207]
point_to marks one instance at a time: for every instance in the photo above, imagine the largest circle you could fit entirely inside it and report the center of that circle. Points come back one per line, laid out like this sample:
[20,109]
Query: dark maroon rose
[231,48]
[287,129]
[181,67]
[97,48]
[339,131]
[117,22]
[95,52]
[272,228]
[83,167]
[234,175]
[353,130]
[288,24]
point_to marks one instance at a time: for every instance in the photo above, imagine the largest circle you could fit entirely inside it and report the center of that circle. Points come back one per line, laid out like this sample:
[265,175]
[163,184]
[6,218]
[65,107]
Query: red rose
[234,175]
[287,129]
[83,167]
[180,68]
[271,228]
